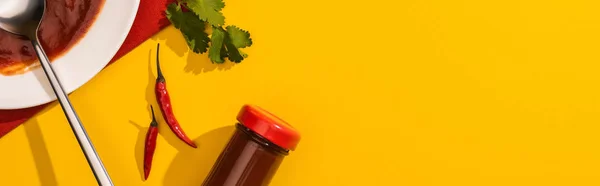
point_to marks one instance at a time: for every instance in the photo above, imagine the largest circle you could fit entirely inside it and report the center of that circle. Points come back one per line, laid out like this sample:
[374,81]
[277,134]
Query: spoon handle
[84,141]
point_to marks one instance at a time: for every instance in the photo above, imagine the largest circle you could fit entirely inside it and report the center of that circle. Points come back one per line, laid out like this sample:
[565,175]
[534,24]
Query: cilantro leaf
[240,38]
[236,39]
[216,50]
[224,43]
[233,53]
[228,43]
[224,52]
[191,27]
[208,10]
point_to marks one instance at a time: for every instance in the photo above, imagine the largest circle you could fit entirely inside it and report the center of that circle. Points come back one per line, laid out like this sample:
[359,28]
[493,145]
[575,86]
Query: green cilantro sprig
[223,42]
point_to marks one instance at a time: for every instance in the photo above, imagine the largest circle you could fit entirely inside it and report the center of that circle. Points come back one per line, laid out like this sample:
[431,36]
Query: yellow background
[412,92]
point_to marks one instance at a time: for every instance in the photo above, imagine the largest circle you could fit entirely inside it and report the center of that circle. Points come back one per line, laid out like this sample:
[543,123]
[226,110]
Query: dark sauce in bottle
[255,151]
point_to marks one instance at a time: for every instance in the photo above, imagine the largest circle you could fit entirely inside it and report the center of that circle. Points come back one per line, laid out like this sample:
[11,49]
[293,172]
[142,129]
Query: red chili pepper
[164,101]
[150,145]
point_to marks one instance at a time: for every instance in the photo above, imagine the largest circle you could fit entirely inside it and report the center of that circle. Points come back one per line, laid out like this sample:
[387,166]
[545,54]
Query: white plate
[78,65]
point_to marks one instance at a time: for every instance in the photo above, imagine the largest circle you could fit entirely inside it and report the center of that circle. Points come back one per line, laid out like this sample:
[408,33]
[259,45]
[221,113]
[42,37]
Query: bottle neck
[262,141]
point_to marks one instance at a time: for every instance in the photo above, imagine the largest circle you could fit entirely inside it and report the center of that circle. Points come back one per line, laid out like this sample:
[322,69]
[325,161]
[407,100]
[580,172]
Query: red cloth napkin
[150,19]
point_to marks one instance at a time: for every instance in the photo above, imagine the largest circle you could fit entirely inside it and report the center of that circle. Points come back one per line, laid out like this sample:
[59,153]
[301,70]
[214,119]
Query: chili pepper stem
[159,76]
[153,123]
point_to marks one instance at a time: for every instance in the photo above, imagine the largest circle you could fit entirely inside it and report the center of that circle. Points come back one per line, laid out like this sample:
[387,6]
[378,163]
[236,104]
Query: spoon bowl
[21,17]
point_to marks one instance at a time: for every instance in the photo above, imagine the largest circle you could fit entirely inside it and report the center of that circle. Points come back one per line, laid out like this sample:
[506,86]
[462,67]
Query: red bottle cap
[269,126]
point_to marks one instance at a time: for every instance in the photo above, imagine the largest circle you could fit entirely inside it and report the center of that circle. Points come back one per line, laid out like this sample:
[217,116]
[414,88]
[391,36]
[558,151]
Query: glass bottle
[256,149]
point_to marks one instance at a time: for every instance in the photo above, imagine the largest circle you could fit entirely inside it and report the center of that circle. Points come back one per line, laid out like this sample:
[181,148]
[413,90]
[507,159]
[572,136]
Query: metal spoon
[23,17]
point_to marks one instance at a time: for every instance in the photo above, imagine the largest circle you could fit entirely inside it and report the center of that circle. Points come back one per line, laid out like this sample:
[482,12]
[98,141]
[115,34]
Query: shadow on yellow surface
[40,153]
[196,63]
[200,63]
[191,166]
[150,94]
[139,147]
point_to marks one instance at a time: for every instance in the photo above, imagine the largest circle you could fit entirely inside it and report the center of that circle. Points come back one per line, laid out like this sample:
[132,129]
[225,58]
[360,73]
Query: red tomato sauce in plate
[64,24]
